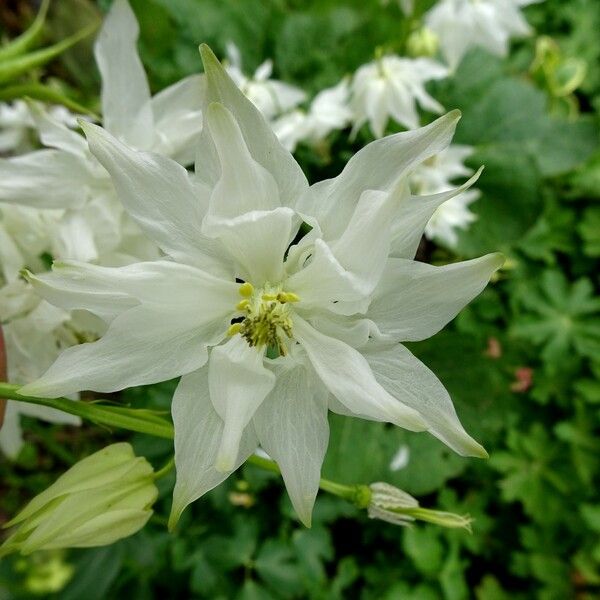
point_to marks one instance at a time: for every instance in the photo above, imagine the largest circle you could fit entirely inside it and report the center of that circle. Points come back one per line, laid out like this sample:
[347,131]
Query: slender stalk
[140,420]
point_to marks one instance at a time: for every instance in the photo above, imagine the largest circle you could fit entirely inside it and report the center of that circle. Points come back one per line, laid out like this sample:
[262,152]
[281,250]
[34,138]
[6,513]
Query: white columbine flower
[436,175]
[35,332]
[270,96]
[329,111]
[267,329]
[391,86]
[463,24]
[67,177]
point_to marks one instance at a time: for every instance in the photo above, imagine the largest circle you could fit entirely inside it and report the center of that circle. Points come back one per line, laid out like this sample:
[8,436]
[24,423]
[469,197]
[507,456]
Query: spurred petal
[198,434]
[412,383]
[415,300]
[126,108]
[238,383]
[347,375]
[291,425]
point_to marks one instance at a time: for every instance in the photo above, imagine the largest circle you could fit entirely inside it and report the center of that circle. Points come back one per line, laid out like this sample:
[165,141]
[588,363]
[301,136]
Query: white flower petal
[75,237]
[415,300]
[347,375]
[238,383]
[178,118]
[44,179]
[378,166]
[411,382]
[126,108]
[244,184]
[257,241]
[56,134]
[160,196]
[414,214]
[291,425]
[198,434]
[258,134]
[166,336]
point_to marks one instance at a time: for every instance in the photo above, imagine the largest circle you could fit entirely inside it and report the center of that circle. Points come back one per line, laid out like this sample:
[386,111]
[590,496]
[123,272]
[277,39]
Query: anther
[246,289]
[243,304]
[234,329]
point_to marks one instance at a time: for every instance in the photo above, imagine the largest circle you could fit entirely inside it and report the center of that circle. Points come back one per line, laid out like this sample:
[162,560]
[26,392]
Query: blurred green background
[522,362]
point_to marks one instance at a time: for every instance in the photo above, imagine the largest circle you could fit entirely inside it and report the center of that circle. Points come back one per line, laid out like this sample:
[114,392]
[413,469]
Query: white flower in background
[17,126]
[436,175]
[329,111]
[270,96]
[266,336]
[391,86]
[463,24]
[65,176]
[35,333]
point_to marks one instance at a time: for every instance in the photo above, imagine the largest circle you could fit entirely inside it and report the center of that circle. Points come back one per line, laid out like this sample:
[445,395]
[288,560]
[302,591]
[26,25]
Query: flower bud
[103,498]
[390,504]
[422,42]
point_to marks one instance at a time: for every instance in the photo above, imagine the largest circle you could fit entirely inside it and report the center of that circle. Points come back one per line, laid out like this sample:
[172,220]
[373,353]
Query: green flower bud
[422,42]
[103,498]
[390,504]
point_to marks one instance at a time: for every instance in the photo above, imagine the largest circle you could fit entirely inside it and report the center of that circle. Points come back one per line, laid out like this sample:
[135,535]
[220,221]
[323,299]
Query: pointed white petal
[244,184]
[166,336]
[198,434]
[347,375]
[413,215]
[415,300]
[178,118]
[56,134]
[238,383]
[412,383]
[126,108]
[378,166]
[262,143]
[291,425]
[75,237]
[160,196]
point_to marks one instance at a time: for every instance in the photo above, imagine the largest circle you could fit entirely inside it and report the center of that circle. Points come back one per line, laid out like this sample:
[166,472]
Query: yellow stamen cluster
[267,320]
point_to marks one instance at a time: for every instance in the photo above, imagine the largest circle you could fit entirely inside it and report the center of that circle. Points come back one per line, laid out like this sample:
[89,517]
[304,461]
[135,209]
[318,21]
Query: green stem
[140,420]
[146,421]
[27,39]
[165,470]
[39,91]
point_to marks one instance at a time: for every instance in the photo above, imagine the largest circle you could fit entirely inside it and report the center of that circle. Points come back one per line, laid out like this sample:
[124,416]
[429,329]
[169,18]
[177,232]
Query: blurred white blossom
[266,335]
[391,87]
[17,126]
[463,24]
[329,111]
[436,175]
[65,177]
[270,96]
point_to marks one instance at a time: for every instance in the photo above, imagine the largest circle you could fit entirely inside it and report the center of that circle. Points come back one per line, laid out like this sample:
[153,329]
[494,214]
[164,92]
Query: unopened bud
[101,499]
[391,504]
[422,42]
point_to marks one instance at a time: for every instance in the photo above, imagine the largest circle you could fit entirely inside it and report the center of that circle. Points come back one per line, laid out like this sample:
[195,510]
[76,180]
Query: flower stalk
[152,423]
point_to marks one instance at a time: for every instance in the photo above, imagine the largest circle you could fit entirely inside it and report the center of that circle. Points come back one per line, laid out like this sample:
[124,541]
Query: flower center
[266,321]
